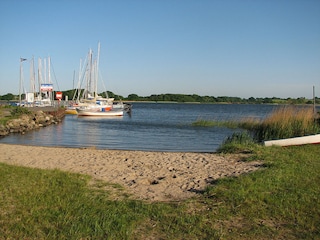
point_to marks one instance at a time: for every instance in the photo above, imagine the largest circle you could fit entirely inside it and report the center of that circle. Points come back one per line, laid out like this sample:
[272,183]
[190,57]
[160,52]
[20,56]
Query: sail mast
[49,79]
[45,70]
[21,79]
[89,80]
[97,70]
[39,78]
[49,70]
[32,80]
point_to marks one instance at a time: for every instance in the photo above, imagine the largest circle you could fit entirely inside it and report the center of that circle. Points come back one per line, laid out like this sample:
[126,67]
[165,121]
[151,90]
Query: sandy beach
[152,176]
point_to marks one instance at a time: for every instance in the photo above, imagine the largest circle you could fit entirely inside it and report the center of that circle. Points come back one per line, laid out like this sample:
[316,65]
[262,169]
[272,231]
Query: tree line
[184,98]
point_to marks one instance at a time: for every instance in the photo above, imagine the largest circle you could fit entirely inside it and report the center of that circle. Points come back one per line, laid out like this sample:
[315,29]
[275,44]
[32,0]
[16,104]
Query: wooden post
[314,103]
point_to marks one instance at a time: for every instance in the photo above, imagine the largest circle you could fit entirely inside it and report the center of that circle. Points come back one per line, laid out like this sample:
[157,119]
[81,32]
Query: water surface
[151,126]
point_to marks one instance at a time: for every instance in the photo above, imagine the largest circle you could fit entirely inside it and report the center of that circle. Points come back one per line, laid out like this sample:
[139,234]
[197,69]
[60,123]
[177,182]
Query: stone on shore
[35,120]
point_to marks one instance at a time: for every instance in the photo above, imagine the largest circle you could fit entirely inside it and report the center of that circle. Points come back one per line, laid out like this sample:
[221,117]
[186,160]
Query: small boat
[71,110]
[311,139]
[99,106]
[99,112]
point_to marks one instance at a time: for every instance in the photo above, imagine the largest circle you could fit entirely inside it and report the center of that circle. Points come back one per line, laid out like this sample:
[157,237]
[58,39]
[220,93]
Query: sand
[151,176]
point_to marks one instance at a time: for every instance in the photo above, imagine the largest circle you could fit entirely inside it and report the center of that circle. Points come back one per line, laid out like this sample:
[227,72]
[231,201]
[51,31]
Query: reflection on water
[154,127]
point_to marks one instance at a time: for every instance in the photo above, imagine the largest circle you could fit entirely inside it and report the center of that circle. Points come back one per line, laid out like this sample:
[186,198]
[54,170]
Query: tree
[133,97]
[8,97]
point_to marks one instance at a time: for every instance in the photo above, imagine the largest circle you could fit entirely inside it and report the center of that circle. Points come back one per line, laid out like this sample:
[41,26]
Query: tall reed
[286,122]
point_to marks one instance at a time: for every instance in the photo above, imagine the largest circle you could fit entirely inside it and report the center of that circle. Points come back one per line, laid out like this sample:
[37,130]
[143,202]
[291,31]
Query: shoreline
[147,175]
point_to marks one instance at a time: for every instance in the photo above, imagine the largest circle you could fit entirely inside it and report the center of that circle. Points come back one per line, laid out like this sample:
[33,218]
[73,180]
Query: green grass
[42,204]
[246,123]
[10,112]
[239,142]
[280,201]
[214,123]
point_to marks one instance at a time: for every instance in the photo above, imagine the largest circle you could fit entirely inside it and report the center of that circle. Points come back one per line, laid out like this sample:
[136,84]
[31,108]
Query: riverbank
[152,176]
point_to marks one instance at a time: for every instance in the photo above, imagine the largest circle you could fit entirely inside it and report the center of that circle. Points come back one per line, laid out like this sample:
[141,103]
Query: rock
[27,122]
[3,130]
[154,182]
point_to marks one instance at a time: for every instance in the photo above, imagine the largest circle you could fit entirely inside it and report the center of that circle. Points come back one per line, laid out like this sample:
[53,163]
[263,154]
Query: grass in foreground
[281,201]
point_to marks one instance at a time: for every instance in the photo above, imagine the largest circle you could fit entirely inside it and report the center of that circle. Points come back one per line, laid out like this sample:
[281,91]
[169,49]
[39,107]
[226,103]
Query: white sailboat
[91,104]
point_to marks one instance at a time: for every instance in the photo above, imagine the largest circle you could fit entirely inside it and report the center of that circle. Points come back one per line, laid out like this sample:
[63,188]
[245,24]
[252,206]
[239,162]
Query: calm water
[152,126]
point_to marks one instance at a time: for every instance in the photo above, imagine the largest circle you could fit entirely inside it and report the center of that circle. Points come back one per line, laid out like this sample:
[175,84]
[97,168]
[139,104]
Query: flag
[22,59]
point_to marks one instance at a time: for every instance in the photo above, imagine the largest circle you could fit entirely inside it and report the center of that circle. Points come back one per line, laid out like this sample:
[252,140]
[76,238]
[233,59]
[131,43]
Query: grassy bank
[280,201]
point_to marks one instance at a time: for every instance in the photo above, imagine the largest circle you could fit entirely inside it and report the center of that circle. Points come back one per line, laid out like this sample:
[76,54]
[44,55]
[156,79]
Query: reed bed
[214,123]
[287,122]
[246,123]
[284,122]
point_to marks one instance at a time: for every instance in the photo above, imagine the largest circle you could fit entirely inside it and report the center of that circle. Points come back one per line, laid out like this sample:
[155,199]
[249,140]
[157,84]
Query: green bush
[239,142]
[18,111]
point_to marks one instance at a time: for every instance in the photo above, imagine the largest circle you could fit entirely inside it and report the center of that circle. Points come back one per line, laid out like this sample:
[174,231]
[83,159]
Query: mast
[32,76]
[49,70]
[79,82]
[94,77]
[49,79]
[32,79]
[74,73]
[39,78]
[97,70]
[45,70]
[21,78]
[90,73]
[20,81]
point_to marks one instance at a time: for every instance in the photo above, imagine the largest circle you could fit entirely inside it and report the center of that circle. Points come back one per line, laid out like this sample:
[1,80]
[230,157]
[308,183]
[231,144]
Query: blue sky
[240,48]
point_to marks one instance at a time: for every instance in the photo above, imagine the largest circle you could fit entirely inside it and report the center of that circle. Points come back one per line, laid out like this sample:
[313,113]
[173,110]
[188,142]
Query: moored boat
[71,110]
[99,112]
[92,104]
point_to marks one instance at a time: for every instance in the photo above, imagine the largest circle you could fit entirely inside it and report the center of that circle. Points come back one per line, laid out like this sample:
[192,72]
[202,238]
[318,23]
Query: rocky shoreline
[37,118]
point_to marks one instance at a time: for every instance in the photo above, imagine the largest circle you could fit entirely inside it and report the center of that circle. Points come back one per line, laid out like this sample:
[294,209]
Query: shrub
[239,142]
[18,111]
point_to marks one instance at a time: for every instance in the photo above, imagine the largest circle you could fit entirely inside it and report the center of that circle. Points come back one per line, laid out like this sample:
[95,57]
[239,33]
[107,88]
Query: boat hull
[312,139]
[71,111]
[88,113]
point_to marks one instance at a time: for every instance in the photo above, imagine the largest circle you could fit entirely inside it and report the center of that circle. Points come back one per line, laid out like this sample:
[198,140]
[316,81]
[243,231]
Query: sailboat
[44,95]
[91,104]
